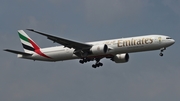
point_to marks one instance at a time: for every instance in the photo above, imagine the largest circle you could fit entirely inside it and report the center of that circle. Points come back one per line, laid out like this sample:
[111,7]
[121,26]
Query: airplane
[116,50]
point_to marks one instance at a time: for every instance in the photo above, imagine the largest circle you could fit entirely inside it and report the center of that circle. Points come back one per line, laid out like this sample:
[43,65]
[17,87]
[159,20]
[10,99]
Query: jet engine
[99,49]
[121,58]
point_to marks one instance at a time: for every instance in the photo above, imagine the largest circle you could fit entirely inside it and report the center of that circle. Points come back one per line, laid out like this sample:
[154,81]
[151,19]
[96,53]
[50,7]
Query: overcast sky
[146,77]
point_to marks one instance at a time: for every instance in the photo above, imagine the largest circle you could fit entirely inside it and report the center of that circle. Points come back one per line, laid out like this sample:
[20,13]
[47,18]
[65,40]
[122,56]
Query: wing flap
[17,52]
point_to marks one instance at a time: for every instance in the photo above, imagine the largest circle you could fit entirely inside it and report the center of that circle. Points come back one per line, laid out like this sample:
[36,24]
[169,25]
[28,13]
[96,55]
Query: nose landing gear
[161,53]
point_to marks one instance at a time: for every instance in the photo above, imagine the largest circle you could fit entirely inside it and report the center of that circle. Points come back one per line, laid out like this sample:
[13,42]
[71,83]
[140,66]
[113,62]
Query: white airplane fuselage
[115,46]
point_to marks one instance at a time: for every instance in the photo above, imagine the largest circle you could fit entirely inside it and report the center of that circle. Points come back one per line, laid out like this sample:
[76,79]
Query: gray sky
[146,77]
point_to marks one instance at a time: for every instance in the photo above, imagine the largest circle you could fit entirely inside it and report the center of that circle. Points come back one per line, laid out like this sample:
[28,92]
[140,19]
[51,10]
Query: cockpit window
[168,38]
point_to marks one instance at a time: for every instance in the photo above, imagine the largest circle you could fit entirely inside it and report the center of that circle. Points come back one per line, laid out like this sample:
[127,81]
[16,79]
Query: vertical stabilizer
[28,44]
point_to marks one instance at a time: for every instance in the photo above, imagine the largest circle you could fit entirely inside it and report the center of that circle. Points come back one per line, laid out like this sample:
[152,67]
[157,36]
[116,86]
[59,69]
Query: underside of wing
[65,42]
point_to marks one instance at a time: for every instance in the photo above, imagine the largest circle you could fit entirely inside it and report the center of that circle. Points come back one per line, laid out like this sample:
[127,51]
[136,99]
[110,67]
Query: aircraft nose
[173,41]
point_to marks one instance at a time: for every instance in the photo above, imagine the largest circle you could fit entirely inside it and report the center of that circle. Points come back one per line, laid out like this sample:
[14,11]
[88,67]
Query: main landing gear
[161,53]
[84,60]
[97,64]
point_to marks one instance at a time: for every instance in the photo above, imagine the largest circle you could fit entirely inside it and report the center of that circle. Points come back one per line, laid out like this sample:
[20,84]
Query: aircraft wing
[65,42]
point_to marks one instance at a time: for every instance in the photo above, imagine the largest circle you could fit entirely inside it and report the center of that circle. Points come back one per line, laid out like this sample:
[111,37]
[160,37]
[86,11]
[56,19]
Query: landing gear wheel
[161,54]
[85,60]
[81,61]
[97,65]
[94,66]
[100,64]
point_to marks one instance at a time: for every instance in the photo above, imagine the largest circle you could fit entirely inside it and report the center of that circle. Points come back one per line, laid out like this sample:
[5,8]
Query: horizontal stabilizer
[18,52]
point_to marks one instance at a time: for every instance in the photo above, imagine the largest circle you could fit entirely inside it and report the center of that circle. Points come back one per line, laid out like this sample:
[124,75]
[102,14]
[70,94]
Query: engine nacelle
[121,58]
[99,49]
